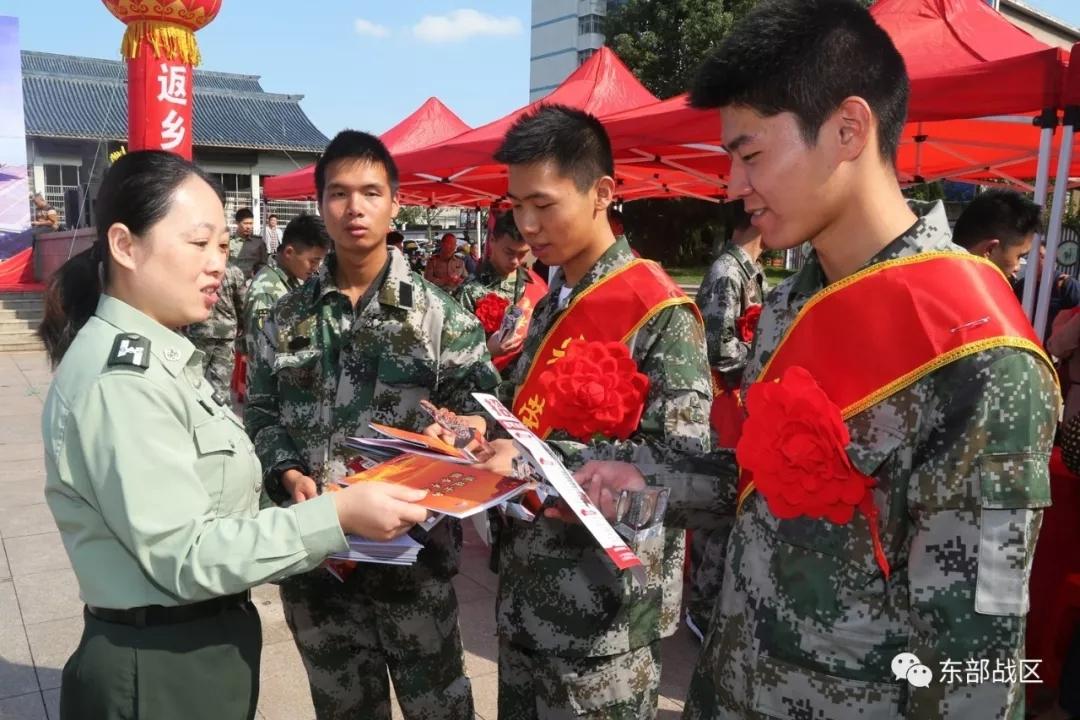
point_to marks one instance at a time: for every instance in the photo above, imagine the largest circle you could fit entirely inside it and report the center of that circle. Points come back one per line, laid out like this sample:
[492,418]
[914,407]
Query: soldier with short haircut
[301,252]
[365,340]
[247,250]
[900,412]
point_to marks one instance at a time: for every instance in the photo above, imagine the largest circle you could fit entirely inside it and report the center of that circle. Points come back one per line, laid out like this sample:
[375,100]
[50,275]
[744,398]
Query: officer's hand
[299,486]
[502,457]
[379,511]
[476,422]
[604,481]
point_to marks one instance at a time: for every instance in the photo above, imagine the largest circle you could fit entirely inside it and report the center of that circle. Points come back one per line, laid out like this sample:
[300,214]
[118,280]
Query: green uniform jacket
[268,286]
[487,281]
[154,487]
[227,312]
[324,371]
[806,619]
[734,283]
[558,593]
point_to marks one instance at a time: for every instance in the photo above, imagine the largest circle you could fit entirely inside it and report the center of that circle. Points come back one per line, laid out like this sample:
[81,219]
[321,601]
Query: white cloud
[463,24]
[366,27]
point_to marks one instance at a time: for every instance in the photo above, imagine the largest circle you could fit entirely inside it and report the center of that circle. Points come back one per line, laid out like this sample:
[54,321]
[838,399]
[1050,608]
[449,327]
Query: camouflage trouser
[348,639]
[538,686]
[707,549]
[219,362]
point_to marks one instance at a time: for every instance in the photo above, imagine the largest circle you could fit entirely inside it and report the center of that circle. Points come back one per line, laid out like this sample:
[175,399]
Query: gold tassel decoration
[169,42]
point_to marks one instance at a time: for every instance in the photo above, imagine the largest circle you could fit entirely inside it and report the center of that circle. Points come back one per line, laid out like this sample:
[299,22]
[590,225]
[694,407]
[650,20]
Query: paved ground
[40,611]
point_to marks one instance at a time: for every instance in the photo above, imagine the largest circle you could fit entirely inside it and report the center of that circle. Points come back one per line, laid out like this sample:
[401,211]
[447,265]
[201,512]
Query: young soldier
[505,275]
[899,464]
[576,637]
[729,298]
[217,337]
[246,250]
[365,340]
[999,225]
[300,253]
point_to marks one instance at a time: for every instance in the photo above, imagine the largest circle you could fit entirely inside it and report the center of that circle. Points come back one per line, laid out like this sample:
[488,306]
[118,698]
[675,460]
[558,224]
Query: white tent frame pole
[1057,212]
[1042,183]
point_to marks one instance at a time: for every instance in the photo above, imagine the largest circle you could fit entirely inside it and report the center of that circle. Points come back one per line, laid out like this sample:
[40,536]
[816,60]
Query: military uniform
[487,281]
[155,489]
[323,372]
[576,637]
[734,283]
[807,626]
[268,286]
[447,273]
[217,336]
[248,253]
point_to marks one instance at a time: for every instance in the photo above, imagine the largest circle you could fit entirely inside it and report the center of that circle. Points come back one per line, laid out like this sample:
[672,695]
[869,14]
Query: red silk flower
[746,325]
[595,389]
[490,309]
[793,445]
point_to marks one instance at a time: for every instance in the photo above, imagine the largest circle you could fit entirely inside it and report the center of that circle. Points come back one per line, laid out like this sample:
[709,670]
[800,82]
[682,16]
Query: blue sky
[359,63]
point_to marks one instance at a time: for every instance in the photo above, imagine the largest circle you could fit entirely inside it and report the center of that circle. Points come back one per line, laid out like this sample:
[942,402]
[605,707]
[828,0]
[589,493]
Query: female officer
[150,477]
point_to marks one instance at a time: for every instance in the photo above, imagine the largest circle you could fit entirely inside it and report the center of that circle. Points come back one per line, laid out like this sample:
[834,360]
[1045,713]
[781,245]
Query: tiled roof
[76,97]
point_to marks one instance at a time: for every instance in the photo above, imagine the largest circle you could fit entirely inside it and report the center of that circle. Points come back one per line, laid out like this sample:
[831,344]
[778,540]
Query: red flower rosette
[746,324]
[794,445]
[490,310]
[595,389]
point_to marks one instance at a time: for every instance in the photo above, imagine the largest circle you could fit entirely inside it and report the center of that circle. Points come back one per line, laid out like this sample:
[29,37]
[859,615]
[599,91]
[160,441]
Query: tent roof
[430,123]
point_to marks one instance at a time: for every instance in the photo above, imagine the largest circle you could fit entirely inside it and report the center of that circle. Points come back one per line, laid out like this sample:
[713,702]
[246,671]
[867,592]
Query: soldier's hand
[299,486]
[379,511]
[476,422]
[501,460]
[604,481]
[507,346]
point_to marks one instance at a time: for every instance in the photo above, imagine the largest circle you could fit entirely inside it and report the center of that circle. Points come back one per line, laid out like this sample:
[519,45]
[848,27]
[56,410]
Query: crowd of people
[861,452]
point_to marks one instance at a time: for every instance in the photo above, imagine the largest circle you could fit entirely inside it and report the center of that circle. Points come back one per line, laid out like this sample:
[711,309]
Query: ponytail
[70,299]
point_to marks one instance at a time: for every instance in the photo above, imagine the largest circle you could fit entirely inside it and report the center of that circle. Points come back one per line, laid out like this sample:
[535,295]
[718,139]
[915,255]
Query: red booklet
[453,489]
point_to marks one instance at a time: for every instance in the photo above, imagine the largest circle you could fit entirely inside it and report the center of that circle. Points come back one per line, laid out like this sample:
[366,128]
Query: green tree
[409,215]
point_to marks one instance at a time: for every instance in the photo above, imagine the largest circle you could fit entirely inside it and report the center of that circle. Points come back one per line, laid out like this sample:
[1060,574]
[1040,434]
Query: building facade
[565,33]
[75,111]
[1041,25]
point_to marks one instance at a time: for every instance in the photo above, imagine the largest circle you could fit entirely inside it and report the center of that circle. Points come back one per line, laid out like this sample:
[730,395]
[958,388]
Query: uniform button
[172,354]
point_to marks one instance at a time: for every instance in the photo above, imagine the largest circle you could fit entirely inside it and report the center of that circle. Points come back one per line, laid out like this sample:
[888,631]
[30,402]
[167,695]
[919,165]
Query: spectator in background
[246,250]
[615,219]
[46,219]
[1065,295]
[999,225]
[272,235]
[1063,344]
[445,268]
[469,258]
[395,240]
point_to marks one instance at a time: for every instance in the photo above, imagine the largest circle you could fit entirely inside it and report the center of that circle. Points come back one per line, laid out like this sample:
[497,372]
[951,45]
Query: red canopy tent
[430,123]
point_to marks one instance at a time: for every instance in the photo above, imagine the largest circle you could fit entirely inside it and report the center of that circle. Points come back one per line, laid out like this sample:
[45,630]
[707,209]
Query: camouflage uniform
[217,336]
[323,371]
[268,286]
[487,281]
[576,637]
[248,253]
[807,626]
[734,283]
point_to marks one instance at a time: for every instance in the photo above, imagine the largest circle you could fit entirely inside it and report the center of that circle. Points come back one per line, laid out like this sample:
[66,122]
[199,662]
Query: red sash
[612,309]
[870,335]
[535,289]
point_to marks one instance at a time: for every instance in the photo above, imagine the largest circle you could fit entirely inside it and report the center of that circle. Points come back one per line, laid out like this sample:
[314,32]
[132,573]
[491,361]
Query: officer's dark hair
[305,231]
[355,145]
[506,227]
[1003,214]
[572,139]
[806,57]
[243,214]
[395,238]
[137,192]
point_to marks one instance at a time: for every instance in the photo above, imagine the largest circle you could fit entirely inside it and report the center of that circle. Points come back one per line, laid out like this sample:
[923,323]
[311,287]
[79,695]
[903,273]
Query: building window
[58,179]
[237,192]
[590,25]
[584,55]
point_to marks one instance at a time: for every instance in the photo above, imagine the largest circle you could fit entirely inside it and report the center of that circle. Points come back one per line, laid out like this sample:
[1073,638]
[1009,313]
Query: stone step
[29,314]
[21,347]
[17,326]
[23,303]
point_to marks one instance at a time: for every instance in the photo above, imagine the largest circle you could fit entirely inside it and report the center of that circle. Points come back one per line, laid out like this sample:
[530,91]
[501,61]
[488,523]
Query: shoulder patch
[130,349]
[405,296]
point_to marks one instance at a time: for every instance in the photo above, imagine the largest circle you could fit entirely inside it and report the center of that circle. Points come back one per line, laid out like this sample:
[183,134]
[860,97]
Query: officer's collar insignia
[130,349]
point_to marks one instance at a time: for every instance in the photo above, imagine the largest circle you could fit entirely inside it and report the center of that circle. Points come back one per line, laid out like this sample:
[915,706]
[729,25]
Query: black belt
[170,615]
